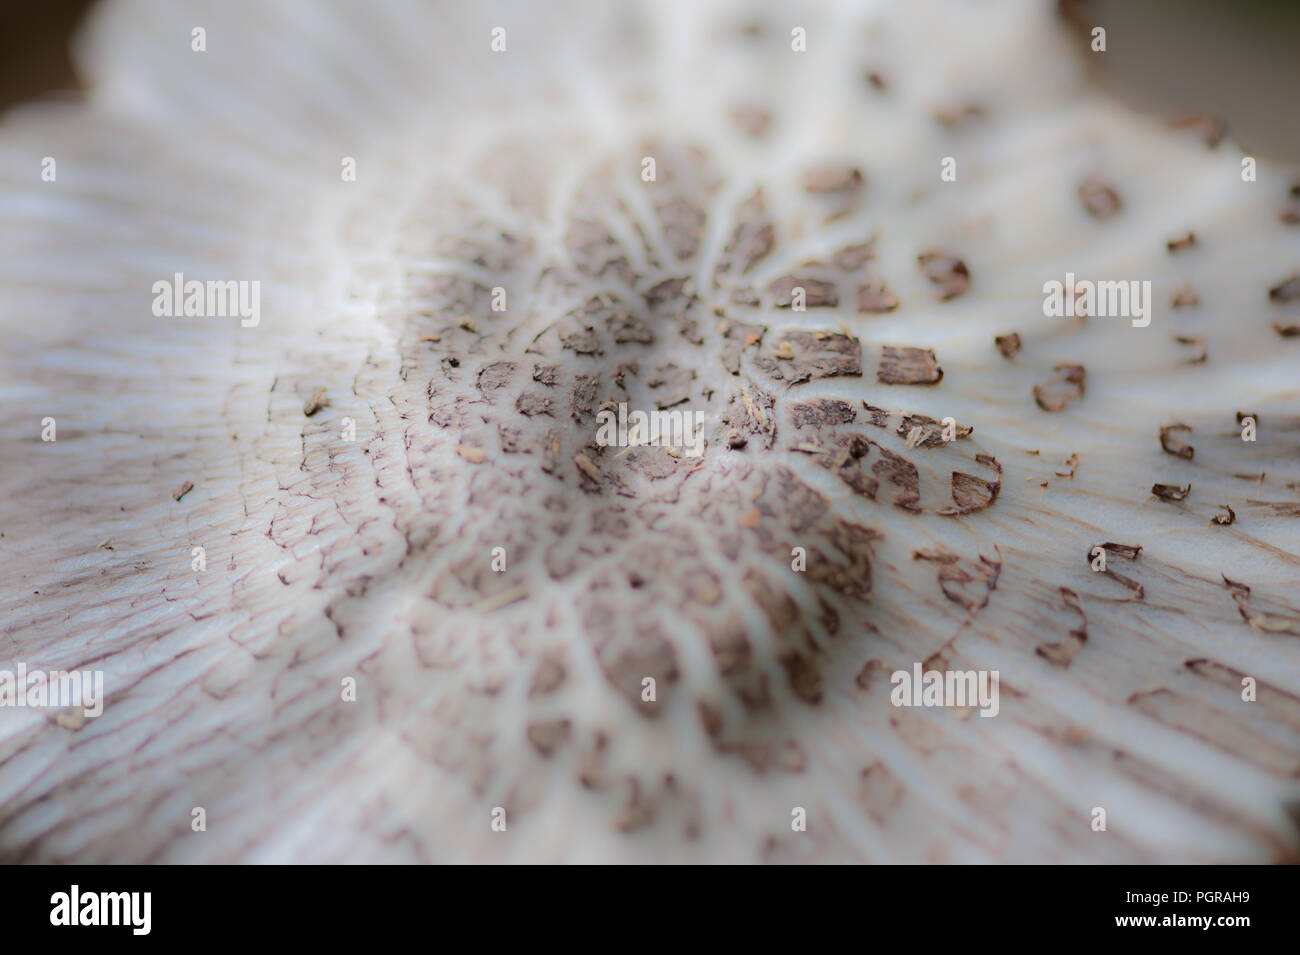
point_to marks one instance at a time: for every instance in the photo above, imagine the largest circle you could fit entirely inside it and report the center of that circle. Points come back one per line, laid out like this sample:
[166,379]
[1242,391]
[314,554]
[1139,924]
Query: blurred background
[1236,60]
[34,37]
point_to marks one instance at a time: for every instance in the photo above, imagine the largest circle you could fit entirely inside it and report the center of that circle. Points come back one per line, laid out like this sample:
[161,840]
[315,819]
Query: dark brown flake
[752,239]
[622,370]
[908,366]
[953,117]
[1060,654]
[846,459]
[954,575]
[752,413]
[1203,352]
[1290,214]
[971,493]
[869,669]
[854,256]
[1261,621]
[876,416]
[1069,386]
[1008,345]
[803,676]
[1285,291]
[626,327]
[1223,520]
[1209,128]
[495,375]
[1172,444]
[817,293]
[547,375]
[1099,199]
[799,356]
[583,342]
[874,298]
[548,735]
[928,431]
[683,226]
[583,397]
[669,292]
[533,403]
[824,411]
[1170,492]
[594,250]
[1127,551]
[948,272]
[901,473]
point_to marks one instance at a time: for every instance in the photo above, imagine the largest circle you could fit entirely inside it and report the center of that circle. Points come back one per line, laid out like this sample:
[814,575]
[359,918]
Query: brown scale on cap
[874,297]
[1062,653]
[1069,386]
[1172,444]
[908,366]
[817,293]
[1128,552]
[1282,619]
[1288,290]
[1225,519]
[1171,492]
[922,431]
[1099,198]
[947,272]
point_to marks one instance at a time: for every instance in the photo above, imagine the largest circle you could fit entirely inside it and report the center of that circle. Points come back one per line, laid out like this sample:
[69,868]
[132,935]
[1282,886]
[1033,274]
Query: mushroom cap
[374,558]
